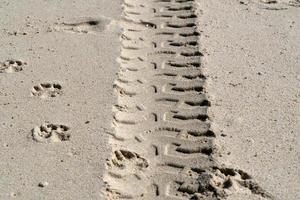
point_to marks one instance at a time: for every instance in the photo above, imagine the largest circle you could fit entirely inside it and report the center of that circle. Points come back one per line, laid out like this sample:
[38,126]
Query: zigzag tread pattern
[162,145]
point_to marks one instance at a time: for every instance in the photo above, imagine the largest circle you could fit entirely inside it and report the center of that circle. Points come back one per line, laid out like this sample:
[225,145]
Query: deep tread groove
[163,146]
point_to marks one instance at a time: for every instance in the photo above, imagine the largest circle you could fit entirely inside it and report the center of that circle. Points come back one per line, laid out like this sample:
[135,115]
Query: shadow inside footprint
[11,66]
[278,4]
[45,90]
[86,25]
[51,133]
[221,182]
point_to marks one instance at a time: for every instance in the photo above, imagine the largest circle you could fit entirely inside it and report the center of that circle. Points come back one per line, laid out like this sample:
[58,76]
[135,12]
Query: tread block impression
[162,145]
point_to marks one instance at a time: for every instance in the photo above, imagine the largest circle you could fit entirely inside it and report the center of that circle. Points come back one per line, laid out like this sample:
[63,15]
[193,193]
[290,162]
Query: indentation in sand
[50,133]
[85,25]
[45,90]
[11,66]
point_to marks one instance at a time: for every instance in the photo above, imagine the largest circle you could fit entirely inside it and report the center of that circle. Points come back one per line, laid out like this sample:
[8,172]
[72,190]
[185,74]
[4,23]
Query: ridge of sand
[163,145]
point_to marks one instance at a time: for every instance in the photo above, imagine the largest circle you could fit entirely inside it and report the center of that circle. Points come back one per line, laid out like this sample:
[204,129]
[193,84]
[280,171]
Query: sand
[80,118]
[82,61]
[253,65]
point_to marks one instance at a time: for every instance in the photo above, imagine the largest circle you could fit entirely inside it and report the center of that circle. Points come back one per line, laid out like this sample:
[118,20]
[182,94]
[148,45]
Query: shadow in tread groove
[163,146]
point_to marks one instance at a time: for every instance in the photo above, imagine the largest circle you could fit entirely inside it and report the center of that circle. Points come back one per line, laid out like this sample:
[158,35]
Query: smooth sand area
[68,53]
[254,82]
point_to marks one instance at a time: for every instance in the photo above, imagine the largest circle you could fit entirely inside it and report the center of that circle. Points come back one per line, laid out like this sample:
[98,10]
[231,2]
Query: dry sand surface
[68,51]
[254,83]
[184,99]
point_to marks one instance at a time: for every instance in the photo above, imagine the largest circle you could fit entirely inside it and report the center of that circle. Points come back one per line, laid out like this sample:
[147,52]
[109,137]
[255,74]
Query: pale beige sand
[253,68]
[83,62]
[251,57]
[241,44]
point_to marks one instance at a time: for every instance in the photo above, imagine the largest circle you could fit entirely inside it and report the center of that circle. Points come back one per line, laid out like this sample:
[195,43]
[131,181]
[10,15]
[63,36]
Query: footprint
[124,158]
[219,183]
[87,25]
[11,66]
[45,90]
[278,4]
[51,133]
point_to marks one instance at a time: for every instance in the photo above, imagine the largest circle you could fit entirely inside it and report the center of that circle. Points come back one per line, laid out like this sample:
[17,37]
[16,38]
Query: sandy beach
[158,99]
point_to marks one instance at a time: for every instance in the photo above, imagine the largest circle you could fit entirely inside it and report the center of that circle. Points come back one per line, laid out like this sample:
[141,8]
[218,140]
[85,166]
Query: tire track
[162,146]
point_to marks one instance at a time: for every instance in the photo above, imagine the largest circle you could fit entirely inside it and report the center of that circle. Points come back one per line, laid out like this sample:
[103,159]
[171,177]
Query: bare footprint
[11,66]
[51,133]
[45,90]
[87,25]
